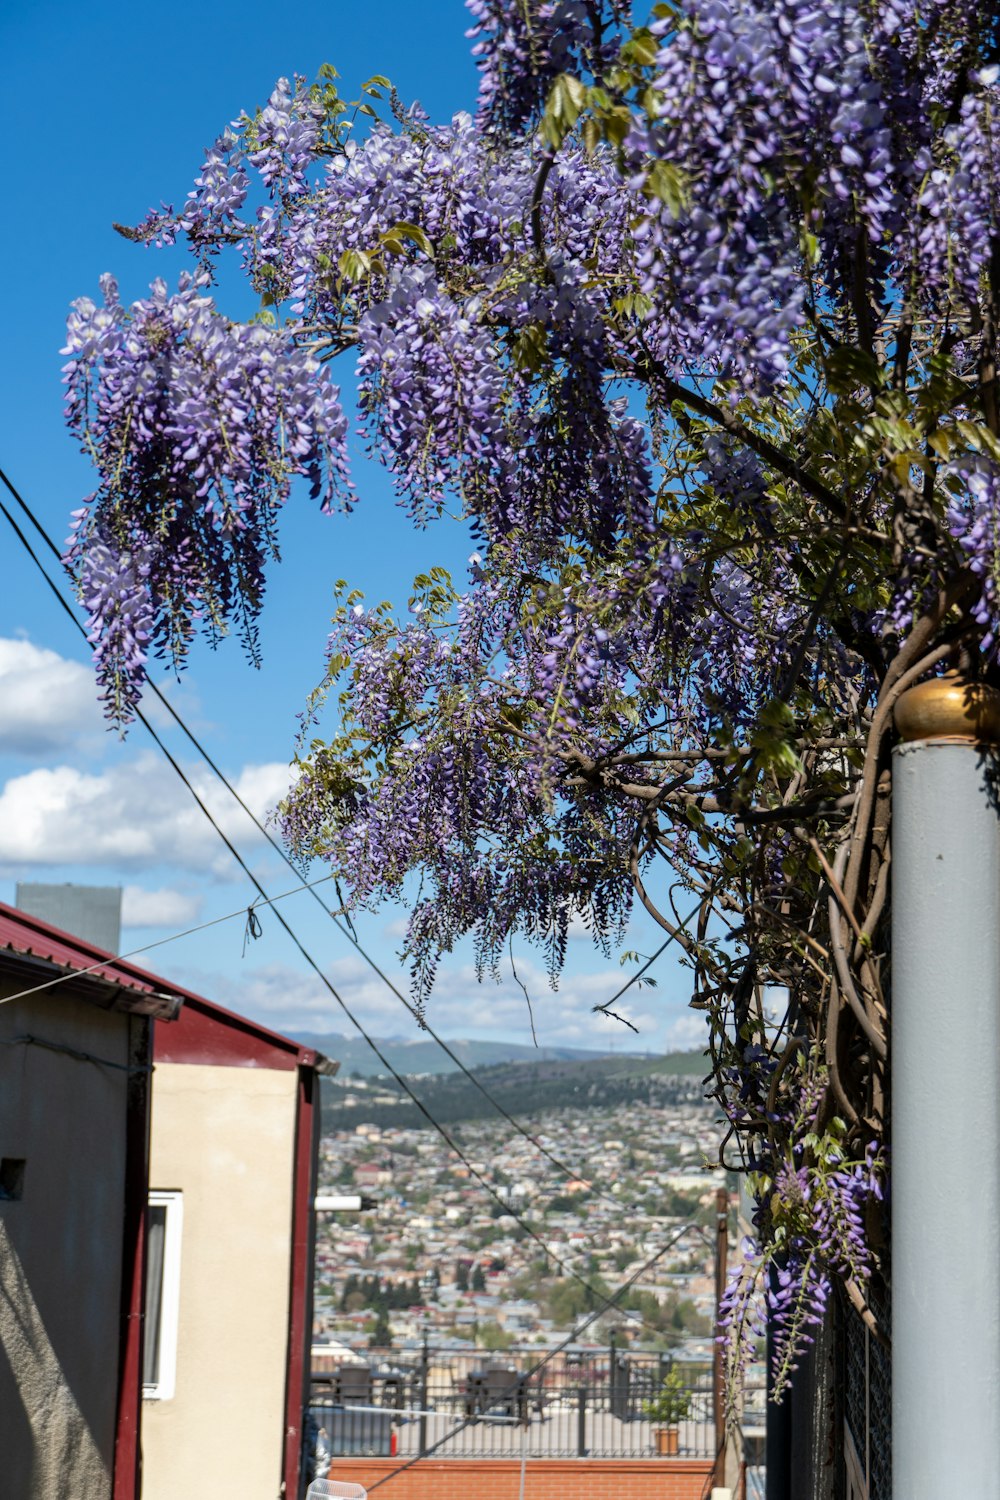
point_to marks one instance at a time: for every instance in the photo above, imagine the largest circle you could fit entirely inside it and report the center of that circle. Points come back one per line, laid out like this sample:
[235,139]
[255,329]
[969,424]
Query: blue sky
[108,109]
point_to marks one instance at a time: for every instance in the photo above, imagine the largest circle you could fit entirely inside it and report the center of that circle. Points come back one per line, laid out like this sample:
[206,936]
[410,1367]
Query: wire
[604,1009]
[445,1134]
[157,943]
[347,931]
[547,1359]
[102,1062]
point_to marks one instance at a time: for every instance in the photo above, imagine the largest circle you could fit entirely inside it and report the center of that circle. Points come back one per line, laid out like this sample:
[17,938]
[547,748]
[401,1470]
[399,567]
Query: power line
[293,936]
[279,849]
[174,937]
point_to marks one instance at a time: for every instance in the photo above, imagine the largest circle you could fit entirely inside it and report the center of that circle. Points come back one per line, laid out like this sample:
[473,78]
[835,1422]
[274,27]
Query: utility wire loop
[230,916]
[253,929]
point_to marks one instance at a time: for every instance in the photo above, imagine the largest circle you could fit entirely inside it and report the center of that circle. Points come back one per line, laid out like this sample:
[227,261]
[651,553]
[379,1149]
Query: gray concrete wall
[60,1248]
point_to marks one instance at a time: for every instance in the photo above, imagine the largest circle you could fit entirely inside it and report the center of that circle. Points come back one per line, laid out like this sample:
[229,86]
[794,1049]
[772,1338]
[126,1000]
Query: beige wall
[60,1247]
[225,1138]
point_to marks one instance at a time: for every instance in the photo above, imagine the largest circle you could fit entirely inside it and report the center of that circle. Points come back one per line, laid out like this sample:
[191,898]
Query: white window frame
[165,1385]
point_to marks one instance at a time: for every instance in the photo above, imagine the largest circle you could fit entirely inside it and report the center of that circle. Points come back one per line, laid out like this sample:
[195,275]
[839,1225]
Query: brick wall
[545,1479]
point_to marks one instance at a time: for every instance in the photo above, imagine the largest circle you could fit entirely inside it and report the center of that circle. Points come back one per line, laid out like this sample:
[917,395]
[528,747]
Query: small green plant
[672,1401]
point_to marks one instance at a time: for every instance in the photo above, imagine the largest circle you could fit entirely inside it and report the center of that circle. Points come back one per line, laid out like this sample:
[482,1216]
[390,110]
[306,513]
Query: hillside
[522,1087]
[422,1055]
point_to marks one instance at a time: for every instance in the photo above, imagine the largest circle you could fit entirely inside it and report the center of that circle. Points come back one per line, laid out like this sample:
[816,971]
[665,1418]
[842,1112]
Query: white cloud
[578,931]
[294,1000]
[689,1030]
[135,815]
[47,702]
[162,908]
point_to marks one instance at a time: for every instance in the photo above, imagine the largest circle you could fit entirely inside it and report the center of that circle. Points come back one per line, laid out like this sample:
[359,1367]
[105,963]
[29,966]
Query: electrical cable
[102,1062]
[174,937]
[445,1134]
[342,927]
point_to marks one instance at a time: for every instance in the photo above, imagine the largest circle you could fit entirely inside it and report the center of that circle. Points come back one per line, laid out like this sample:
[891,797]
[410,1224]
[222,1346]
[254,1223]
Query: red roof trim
[30,936]
[209,1035]
[22,933]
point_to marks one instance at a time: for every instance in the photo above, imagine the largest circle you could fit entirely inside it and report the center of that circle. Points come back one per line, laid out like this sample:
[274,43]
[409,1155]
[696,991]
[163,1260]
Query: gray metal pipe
[945,1142]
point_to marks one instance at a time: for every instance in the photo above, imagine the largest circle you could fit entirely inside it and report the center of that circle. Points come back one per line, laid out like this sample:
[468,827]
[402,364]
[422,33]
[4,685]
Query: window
[12,1177]
[163,1280]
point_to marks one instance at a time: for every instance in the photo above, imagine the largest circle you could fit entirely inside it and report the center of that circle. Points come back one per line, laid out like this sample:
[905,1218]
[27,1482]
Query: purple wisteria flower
[201,425]
[707,366]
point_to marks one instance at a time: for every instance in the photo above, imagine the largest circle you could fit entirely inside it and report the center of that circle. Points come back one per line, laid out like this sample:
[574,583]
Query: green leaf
[414,234]
[566,101]
[666,182]
[642,48]
[617,124]
[848,367]
[354,265]
[530,348]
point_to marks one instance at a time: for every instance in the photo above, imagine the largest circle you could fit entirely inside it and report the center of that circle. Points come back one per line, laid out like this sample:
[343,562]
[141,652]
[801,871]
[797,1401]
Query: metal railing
[471,1404]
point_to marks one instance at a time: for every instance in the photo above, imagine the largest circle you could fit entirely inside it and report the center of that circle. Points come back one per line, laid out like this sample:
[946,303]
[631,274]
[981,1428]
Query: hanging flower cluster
[696,325]
[814,1201]
[197,427]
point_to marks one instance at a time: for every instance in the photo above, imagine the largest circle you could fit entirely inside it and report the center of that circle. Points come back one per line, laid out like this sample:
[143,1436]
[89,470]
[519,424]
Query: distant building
[91,912]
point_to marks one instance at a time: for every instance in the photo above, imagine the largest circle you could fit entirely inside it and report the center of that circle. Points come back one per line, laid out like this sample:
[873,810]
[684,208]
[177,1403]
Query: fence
[469,1404]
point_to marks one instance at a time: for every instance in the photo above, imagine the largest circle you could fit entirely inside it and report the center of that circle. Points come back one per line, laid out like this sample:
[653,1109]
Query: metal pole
[945,1141]
[718,1376]
[422,1430]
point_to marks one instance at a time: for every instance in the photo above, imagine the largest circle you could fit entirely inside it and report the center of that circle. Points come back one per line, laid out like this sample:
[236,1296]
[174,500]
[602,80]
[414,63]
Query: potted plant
[667,1408]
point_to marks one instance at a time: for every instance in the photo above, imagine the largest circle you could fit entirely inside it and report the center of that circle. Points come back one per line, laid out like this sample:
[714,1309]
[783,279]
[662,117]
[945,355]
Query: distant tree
[381,1335]
[478,1279]
[461,1276]
[492,1336]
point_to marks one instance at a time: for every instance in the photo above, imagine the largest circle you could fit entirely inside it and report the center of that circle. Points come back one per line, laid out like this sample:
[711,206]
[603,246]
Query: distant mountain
[420,1056]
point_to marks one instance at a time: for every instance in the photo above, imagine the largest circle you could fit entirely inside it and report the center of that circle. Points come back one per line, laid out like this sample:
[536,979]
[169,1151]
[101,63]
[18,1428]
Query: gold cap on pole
[950,707]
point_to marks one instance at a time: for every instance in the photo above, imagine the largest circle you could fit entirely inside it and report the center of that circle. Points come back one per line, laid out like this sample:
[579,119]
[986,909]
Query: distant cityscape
[437,1259]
